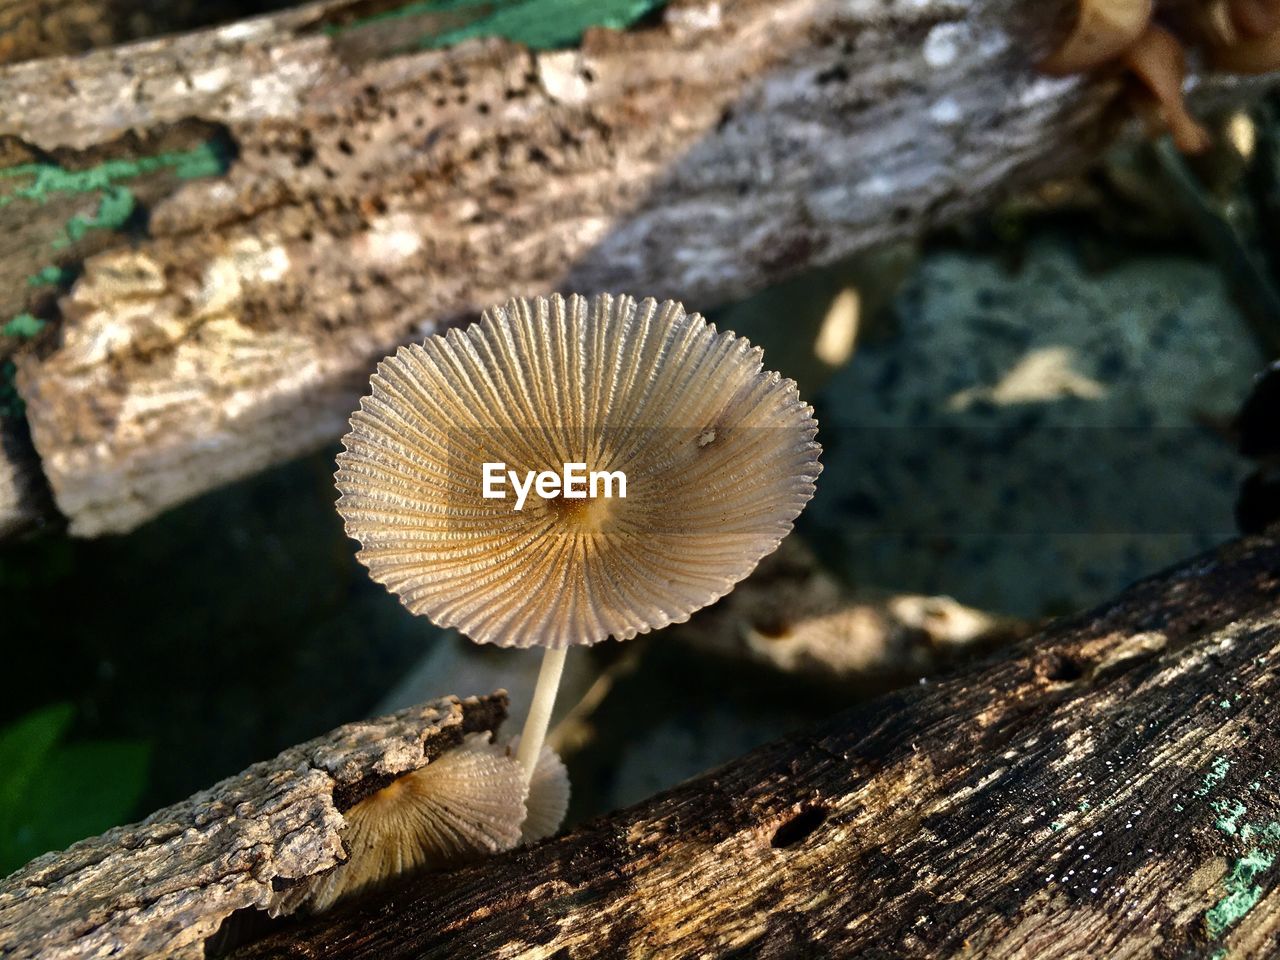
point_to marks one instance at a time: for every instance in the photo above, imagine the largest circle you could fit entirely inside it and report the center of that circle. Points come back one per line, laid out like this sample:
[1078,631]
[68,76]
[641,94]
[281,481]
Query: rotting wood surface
[1109,787]
[162,887]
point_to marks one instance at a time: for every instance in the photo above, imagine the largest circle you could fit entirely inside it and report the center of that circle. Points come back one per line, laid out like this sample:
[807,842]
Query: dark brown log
[162,887]
[1110,787]
[256,213]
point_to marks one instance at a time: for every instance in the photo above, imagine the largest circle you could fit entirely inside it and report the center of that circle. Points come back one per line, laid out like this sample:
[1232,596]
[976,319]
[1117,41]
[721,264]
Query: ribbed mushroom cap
[464,804]
[548,799]
[719,457]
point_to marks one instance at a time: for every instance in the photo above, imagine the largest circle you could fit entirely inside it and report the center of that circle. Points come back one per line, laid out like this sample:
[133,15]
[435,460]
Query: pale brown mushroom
[548,798]
[1103,30]
[1158,61]
[718,455]
[1255,18]
[468,802]
[1253,54]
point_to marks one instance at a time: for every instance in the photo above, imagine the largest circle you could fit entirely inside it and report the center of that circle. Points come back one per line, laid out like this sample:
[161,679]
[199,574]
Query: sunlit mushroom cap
[466,803]
[719,458]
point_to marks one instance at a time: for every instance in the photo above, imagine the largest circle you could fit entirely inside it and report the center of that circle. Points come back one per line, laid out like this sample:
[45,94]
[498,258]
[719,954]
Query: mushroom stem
[544,698]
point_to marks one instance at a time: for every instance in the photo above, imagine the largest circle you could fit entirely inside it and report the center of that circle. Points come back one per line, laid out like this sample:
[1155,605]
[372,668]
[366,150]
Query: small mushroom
[1158,61]
[548,798]
[1255,18]
[718,456]
[466,803]
[1253,54]
[1123,30]
[1104,30]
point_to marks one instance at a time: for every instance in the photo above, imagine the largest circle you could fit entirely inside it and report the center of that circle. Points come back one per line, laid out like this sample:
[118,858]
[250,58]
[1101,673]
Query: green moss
[1229,814]
[1214,777]
[40,182]
[23,325]
[47,179]
[1242,892]
[113,211]
[50,275]
[548,24]
[540,24]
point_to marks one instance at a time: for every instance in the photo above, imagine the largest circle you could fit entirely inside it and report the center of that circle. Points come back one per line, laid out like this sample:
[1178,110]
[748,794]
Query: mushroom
[1255,18]
[717,458]
[468,802]
[548,798]
[1252,54]
[1123,30]
[1104,30]
[1158,61]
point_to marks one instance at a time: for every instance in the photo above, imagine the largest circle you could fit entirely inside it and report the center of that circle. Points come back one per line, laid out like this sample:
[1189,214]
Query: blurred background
[1020,416]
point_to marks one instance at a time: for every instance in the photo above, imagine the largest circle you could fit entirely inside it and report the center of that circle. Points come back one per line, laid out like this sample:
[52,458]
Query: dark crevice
[798,828]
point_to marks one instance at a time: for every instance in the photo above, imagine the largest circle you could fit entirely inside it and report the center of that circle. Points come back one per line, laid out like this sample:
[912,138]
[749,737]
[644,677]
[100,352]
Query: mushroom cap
[719,457]
[466,803]
[548,798]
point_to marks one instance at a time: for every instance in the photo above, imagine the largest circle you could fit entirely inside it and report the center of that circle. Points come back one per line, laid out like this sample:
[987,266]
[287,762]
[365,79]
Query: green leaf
[53,794]
[83,789]
[25,744]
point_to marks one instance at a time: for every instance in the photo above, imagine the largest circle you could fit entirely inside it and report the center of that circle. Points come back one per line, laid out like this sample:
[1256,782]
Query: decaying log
[1110,787]
[226,229]
[162,887]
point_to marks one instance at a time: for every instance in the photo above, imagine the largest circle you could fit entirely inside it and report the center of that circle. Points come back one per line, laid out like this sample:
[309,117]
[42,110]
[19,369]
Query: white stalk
[544,699]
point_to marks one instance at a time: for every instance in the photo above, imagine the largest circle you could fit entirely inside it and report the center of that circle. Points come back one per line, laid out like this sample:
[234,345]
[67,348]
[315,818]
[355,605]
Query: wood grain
[1107,788]
[162,887]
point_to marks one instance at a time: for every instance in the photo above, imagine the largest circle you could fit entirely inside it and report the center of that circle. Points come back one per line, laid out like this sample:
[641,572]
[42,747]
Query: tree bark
[1110,787]
[162,887]
[227,229]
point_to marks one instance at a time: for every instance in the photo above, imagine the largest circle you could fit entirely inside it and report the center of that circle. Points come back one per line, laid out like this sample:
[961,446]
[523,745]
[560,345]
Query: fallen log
[163,887]
[1109,787]
[224,230]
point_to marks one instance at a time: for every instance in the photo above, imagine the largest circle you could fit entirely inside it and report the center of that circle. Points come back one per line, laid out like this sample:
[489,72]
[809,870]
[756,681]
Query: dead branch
[227,228]
[162,887]
[1107,788]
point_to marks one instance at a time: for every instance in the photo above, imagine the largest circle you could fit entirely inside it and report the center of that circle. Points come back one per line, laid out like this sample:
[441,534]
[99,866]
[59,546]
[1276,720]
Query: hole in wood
[798,827]
[1060,669]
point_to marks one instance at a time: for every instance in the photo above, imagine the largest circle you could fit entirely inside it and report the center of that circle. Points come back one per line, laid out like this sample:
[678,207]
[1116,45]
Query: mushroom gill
[1103,30]
[1255,18]
[548,799]
[718,454]
[713,458]
[466,803]
[1158,61]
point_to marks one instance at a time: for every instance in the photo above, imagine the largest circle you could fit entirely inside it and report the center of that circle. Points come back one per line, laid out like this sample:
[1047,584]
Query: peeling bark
[161,887]
[1110,787]
[290,202]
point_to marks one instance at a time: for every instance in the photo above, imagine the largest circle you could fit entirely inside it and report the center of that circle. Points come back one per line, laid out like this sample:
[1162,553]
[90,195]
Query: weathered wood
[162,887]
[289,202]
[1110,787]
